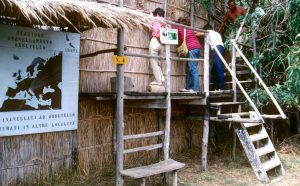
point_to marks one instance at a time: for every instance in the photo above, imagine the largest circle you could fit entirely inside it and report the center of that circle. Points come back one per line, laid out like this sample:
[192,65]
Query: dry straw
[79,14]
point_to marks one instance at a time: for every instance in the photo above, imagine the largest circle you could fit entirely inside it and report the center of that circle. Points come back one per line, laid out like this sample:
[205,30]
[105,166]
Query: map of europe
[40,89]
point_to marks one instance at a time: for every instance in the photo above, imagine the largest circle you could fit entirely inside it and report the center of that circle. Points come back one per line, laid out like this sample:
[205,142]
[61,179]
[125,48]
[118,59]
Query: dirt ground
[222,170]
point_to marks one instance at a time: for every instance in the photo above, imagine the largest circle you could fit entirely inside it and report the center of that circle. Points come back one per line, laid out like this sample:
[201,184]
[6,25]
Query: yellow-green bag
[182,50]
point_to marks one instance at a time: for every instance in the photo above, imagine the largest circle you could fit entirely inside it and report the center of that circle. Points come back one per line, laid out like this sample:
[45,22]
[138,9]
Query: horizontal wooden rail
[162,57]
[145,148]
[260,80]
[113,50]
[187,27]
[146,135]
[186,59]
[242,25]
[144,56]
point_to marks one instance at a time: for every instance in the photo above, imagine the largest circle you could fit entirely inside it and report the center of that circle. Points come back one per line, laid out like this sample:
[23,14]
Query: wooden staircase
[249,125]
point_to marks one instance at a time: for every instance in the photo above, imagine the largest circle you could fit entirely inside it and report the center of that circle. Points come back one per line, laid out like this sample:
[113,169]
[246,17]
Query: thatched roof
[80,14]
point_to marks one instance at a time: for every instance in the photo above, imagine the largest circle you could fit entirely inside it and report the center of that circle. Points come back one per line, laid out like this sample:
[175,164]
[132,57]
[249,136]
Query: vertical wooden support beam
[120,109]
[143,183]
[211,20]
[233,68]
[192,12]
[253,37]
[206,114]
[233,144]
[160,128]
[225,5]
[168,102]
[166,7]
[115,132]
[174,181]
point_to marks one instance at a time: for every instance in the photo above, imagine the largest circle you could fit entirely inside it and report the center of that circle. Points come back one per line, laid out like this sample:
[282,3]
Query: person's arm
[223,23]
[243,10]
[200,34]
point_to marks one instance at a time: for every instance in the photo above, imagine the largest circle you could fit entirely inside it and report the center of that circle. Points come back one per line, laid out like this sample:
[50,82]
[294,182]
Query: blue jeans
[218,72]
[192,79]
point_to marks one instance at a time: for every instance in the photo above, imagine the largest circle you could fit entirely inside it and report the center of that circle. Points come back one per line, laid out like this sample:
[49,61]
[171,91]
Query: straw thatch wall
[95,74]
[32,158]
[95,134]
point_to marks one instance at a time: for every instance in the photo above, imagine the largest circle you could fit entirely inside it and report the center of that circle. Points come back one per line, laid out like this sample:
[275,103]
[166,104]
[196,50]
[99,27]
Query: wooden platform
[154,169]
[144,95]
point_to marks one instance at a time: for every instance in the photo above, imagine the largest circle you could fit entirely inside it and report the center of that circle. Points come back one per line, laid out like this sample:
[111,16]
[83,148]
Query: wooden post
[120,109]
[174,178]
[143,182]
[225,5]
[160,128]
[211,19]
[166,7]
[233,144]
[233,68]
[192,12]
[206,114]
[168,102]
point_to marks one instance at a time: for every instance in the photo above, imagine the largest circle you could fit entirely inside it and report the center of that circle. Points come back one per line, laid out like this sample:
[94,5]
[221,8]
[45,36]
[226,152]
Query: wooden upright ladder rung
[145,135]
[145,148]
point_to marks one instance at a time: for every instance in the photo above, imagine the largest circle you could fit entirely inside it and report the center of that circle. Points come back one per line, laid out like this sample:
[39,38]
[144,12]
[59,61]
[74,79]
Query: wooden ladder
[165,166]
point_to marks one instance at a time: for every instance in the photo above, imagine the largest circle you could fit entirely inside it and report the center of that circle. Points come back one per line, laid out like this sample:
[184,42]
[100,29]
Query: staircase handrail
[259,79]
[242,25]
[238,83]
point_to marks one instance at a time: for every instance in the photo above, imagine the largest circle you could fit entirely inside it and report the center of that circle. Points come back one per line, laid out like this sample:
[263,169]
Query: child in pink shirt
[155,47]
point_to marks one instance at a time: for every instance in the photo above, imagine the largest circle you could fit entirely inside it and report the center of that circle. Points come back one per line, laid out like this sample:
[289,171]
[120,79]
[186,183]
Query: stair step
[246,81]
[239,65]
[217,92]
[272,116]
[232,115]
[247,125]
[272,163]
[259,136]
[225,103]
[236,120]
[265,150]
[240,72]
[154,169]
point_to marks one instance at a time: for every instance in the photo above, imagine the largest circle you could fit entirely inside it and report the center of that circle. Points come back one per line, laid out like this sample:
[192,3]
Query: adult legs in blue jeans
[219,79]
[192,79]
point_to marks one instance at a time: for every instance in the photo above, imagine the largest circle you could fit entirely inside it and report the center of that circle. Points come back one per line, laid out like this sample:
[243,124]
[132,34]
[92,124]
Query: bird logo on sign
[69,41]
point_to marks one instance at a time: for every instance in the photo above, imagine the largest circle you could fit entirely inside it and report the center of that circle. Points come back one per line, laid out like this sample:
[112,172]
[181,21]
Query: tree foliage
[278,49]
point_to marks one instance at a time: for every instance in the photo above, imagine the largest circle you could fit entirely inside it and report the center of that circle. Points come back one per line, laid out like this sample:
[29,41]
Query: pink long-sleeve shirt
[156,25]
